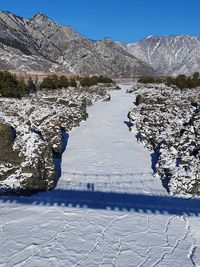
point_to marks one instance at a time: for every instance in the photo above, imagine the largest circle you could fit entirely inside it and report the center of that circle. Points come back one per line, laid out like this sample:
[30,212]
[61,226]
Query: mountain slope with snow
[169,55]
[41,44]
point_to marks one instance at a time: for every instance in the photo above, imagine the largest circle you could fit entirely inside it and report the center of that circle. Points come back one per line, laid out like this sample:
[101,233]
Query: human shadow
[121,202]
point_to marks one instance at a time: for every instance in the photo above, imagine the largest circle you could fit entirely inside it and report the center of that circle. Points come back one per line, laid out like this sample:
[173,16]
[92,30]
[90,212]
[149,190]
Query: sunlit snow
[108,208]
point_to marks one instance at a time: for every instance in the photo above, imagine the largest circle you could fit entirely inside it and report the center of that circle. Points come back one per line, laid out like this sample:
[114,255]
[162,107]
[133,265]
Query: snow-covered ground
[108,209]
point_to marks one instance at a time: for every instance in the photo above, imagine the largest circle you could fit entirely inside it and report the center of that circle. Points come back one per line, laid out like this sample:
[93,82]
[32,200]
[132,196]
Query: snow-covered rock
[32,131]
[168,121]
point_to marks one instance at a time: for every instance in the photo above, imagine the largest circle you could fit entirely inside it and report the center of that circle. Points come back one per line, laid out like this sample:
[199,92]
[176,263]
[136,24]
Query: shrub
[72,82]
[93,80]
[151,79]
[102,79]
[181,81]
[10,86]
[63,82]
[50,82]
[30,87]
[55,82]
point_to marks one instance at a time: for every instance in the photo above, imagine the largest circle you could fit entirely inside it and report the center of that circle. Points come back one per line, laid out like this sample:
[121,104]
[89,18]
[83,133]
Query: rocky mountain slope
[40,44]
[169,55]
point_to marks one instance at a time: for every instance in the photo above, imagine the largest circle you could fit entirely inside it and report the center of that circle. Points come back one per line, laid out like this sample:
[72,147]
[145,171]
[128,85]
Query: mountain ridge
[41,44]
[170,54]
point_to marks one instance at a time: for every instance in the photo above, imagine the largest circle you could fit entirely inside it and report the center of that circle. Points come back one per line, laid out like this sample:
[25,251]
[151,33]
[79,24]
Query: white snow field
[108,209]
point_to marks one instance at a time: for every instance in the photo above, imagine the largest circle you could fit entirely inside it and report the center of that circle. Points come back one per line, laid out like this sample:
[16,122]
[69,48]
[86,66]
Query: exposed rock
[8,156]
[139,99]
[130,90]
[6,142]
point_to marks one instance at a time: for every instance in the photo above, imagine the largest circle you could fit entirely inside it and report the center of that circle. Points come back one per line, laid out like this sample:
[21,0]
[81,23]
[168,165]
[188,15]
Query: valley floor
[107,210]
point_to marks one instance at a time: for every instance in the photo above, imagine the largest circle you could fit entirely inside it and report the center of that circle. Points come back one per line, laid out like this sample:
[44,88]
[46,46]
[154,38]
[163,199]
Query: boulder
[139,100]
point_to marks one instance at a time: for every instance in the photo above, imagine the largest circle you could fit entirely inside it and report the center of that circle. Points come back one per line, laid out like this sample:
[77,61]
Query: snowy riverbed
[108,209]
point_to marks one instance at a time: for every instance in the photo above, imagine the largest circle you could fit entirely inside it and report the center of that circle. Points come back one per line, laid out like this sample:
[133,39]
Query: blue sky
[123,20]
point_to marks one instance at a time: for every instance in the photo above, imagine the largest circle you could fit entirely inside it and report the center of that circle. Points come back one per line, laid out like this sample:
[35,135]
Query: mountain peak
[107,40]
[40,15]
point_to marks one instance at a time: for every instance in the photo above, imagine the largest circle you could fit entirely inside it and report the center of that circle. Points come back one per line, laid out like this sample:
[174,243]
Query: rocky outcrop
[167,121]
[33,135]
[40,44]
[6,142]
[8,157]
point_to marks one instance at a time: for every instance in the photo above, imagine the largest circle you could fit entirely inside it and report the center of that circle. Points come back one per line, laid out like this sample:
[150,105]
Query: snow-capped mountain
[40,44]
[169,55]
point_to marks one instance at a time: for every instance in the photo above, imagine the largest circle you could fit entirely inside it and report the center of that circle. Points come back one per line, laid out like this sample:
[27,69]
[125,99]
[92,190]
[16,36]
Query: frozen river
[108,208]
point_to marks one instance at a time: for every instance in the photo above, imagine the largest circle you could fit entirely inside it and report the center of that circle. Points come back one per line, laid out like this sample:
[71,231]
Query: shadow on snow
[116,201]
[141,203]
[58,158]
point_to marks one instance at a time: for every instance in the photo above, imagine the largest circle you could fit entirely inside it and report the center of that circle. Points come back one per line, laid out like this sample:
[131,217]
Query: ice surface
[103,162]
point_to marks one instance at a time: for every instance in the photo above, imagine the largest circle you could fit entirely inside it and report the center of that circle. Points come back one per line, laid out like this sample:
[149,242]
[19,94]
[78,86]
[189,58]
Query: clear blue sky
[123,20]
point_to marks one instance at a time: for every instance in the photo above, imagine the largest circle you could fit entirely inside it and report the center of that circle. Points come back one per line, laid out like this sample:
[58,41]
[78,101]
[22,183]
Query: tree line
[55,82]
[181,81]
[12,86]
[94,80]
